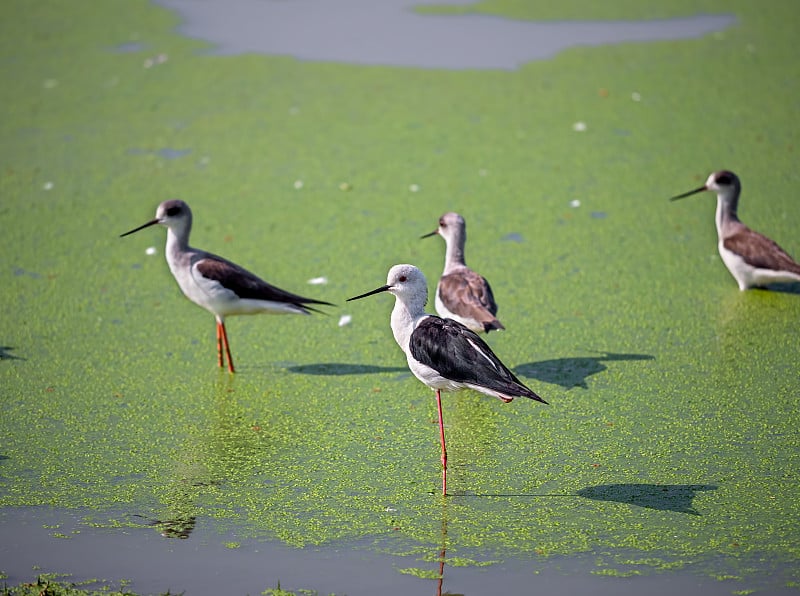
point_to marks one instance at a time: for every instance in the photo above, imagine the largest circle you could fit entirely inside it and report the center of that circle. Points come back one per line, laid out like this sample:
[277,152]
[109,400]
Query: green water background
[672,430]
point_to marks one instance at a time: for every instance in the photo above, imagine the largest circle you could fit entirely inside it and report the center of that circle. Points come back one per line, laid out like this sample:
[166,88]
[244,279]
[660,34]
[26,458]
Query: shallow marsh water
[670,448]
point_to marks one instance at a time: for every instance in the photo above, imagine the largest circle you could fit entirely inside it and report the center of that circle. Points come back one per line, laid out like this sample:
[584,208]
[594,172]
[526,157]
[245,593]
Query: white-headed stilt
[443,353]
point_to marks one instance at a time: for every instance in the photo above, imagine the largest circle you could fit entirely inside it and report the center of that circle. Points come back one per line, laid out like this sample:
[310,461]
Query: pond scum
[671,441]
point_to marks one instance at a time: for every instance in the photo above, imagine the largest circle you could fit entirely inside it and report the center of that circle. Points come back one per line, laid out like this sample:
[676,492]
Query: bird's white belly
[741,271]
[205,293]
[222,302]
[432,378]
[748,276]
[217,299]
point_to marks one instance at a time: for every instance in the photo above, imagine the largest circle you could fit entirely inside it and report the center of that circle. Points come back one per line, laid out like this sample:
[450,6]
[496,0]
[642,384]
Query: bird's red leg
[227,347]
[219,343]
[444,449]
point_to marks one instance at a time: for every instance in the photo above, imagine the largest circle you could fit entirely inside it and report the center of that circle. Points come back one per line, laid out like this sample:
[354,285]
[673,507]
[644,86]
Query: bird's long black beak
[436,231]
[142,227]
[375,291]
[690,193]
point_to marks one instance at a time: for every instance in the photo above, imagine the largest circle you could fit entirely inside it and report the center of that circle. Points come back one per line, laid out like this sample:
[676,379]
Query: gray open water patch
[42,540]
[390,33]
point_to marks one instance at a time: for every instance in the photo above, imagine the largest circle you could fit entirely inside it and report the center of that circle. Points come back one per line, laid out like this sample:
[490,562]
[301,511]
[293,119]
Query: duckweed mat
[671,439]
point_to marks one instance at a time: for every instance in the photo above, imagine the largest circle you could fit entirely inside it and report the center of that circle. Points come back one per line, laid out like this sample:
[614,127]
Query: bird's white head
[724,183]
[174,214]
[407,283]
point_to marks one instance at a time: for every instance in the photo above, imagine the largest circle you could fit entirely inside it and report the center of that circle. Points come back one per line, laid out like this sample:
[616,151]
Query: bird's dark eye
[402,278]
[442,224]
[724,180]
[172,211]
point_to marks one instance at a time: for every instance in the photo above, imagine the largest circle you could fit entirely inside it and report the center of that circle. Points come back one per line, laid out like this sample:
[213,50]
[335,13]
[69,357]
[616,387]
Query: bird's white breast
[430,377]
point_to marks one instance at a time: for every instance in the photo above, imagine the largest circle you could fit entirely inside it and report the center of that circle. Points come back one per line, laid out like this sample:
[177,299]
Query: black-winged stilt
[221,287]
[462,294]
[443,353]
[753,259]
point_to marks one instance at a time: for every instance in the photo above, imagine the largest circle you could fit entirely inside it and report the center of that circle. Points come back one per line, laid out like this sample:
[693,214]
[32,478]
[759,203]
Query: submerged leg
[444,449]
[227,346]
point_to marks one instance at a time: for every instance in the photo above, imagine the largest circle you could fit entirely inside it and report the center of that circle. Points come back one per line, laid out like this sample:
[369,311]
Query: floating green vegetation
[673,426]
[420,573]
[51,584]
[281,592]
[55,585]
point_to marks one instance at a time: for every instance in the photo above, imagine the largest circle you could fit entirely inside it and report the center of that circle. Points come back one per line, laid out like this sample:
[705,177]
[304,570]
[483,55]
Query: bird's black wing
[246,285]
[461,355]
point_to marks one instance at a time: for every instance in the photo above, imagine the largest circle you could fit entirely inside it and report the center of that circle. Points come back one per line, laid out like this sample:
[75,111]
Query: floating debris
[414,187]
[150,251]
[298,184]
[345,320]
[150,62]
[318,281]
[575,203]
[48,186]
[579,126]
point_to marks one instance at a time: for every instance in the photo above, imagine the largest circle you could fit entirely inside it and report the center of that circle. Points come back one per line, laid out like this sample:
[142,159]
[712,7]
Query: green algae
[660,374]
[52,584]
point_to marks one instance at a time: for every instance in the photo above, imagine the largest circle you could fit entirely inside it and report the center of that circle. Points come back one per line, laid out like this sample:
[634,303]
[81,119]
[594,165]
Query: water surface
[391,33]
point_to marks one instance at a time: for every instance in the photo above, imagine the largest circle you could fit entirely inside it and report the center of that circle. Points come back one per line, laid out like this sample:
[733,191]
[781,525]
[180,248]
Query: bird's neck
[726,214]
[404,320]
[454,255]
[177,244]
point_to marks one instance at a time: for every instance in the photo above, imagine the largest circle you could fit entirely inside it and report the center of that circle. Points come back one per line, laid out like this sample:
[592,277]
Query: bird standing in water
[753,259]
[462,294]
[442,353]
[218,285]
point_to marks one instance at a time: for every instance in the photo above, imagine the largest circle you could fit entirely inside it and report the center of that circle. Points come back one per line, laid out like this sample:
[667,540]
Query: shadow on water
[6,355]
[664,497]
[784,288]
[341,368]
[572,372]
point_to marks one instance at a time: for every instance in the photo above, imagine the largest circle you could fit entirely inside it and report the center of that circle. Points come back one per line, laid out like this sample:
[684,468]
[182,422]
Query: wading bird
[753,259]
[443,353]
[221,287]
[462,294]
